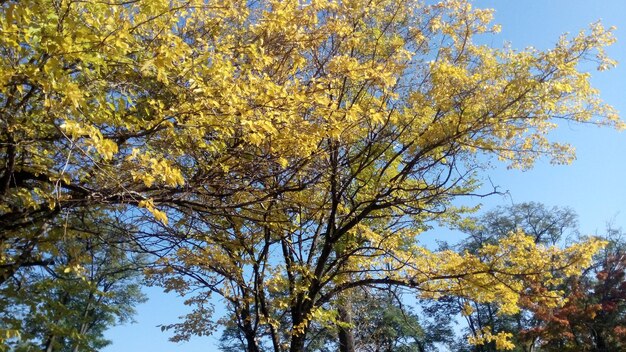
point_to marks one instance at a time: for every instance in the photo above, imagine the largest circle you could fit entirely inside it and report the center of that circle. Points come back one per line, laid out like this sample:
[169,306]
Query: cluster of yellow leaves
[501,339]
[191,76]
[159,215]
[7,334]
[150,170]
[502,272]
[104,147]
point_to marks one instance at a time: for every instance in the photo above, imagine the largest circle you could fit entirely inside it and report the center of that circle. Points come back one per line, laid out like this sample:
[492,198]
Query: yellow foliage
[159,215]
[303,145]
[501,339]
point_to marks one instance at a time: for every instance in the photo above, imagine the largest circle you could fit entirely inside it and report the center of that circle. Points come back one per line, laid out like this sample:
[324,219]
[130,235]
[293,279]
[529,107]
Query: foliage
[594,316]
[545,226]
[288,151]
[405,102]
[384,324]
[66,304]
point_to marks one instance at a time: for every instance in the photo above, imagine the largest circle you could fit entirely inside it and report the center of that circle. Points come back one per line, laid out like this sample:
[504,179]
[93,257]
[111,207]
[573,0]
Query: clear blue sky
[593,185]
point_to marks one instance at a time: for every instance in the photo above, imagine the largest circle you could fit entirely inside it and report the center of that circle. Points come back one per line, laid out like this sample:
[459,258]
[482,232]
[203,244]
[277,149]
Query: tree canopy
[278,155]
[592,316]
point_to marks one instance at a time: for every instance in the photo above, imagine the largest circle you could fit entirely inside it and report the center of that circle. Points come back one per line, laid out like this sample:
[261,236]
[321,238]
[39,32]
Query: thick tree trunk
[251,342]
[298,313]
[346,337]
[600,342]
[297,343]
[249,332]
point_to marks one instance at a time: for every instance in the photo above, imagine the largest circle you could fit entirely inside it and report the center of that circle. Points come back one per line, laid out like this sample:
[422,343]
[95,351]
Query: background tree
[545,226]
[384,323]
[90,284]
[593,318]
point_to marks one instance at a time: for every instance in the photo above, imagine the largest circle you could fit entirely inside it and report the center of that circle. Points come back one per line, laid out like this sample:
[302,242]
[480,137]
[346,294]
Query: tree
[91,284]
[545,226]
[107,104]
[289,152]
[593,318]
[381,323]
[406,103]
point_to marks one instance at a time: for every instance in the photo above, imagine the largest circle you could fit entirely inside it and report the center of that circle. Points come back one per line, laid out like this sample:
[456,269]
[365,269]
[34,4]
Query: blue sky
[594,185]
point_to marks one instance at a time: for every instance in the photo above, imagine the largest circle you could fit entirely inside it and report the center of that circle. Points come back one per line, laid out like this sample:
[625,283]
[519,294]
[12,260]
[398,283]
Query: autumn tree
[399,106]
[545,226]
[288,152]
[593,318]
[383,322]
[106,104]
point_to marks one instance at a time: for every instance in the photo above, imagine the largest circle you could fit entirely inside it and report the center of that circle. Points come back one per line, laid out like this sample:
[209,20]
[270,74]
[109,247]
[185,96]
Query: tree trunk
[600,343]
[252,346]
[346,337]
[297,343]
[49,344]
[248,331]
